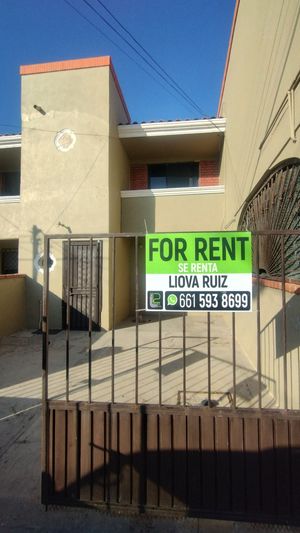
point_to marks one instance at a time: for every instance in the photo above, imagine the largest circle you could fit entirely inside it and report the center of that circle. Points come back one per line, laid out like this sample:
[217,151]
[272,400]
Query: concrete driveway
[20,407]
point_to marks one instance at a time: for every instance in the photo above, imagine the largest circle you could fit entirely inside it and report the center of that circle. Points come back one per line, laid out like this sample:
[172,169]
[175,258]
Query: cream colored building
[260,99]
[85,169]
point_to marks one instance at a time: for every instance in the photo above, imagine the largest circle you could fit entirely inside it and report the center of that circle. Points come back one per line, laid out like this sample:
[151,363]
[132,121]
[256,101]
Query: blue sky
[188,38]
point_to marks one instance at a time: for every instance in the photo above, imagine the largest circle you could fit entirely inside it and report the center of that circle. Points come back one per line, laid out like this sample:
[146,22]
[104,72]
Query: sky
[187,38]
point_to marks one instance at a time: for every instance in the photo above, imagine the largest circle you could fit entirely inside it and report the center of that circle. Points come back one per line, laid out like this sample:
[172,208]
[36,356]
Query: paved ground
[20,393]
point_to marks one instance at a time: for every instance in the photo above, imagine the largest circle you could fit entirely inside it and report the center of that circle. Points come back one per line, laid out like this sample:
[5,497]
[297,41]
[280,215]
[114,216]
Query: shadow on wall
[37,246]
[275,327]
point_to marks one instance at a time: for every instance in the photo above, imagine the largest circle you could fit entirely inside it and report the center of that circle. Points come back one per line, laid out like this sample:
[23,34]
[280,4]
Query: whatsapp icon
[172,299]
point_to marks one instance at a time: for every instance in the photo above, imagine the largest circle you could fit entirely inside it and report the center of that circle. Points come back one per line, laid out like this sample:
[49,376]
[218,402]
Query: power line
[121,50]
[152,59]
[175,86]
[158,71]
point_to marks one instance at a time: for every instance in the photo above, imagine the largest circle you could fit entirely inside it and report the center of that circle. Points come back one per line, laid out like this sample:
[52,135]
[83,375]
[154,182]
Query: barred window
[274,204]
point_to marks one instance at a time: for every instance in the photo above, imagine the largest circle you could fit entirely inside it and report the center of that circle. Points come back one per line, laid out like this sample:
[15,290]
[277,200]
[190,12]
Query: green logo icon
[172,299]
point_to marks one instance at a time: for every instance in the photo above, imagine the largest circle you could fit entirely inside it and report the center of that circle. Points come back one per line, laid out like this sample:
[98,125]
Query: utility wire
[174,85]
[121,49]
[135,50]
[186,95]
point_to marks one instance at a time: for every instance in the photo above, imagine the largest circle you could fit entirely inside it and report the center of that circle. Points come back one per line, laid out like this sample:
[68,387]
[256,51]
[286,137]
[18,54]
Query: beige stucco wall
[12,304]
[264,62]
[118,170]
[199,212]
[10,220]
[271,342]
[62,192]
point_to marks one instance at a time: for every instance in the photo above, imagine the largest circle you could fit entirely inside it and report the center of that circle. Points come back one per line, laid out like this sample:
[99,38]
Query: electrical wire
[159,71]
[184,93]
[122,50]
[167,78]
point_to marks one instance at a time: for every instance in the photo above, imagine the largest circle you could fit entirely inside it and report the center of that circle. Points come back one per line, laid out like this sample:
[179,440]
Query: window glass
[9,261]
[173,175]
[10,184]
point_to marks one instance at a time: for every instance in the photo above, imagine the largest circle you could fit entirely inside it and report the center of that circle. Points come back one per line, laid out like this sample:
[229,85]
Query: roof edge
[118,87]
[75,64]
[10,141]
[152,129]
[71,64]
[237,5]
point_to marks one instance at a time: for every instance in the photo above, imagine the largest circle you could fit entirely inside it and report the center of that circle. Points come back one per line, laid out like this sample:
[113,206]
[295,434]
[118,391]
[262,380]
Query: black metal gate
[196,459]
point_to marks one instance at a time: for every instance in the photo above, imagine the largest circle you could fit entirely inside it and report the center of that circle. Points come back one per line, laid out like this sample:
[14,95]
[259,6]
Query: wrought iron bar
[284,334]
[258,327]
[45,364]
[159,359]
[184,357]
[137,316]
[68,322]
[233,360]
[208,360]
[90,316]
[113,319]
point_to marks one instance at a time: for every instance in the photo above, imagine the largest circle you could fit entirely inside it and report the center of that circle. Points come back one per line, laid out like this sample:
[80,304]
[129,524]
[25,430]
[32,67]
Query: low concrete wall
[271,340]
[12,303]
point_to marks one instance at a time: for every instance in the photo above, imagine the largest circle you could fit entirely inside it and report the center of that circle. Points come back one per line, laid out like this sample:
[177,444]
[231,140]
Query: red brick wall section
[208,173]
[138,177]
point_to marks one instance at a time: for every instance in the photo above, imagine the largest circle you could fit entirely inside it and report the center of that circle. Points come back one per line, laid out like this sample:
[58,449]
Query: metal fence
[109,452]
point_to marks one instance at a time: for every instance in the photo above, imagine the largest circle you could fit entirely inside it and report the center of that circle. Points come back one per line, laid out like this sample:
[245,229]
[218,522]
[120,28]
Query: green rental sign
[199,271]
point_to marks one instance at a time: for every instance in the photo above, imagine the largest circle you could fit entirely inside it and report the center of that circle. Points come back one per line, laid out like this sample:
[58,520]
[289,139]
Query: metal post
[45,357]
[184,358]
[159,359]
[208,359]
[233,360]
[258,327]
[136,320]
[113,319]
[284,334]
[68,322]
[90,317]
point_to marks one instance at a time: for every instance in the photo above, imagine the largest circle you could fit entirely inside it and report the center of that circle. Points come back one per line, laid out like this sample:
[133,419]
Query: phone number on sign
[208,301]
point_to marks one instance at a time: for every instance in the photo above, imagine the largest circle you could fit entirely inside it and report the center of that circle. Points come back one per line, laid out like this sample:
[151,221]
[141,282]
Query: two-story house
[80,166]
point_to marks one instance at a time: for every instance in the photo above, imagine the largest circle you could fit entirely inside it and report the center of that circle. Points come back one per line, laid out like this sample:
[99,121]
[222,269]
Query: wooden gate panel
[165,460]
[194,472]
[99,456]
[208,467]
[282,453]
[222,446]
[268,479]
[152,464]
[237,456]
[197,461]
[125,458]
[180,461]
[295,465]
[252,459]
[138,491]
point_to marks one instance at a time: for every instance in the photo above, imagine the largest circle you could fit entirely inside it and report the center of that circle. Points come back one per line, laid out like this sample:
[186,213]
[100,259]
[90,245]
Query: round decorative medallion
[39,262]
[65,140]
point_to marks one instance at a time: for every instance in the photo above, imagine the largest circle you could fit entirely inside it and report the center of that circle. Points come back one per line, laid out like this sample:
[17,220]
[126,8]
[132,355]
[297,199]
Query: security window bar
[275,205]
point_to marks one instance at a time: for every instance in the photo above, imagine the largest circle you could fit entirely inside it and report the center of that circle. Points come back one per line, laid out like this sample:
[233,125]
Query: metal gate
[208,453]
[76,283]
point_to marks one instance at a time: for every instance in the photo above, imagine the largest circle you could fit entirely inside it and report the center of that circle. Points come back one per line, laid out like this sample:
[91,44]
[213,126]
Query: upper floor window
[173,175]
[9,183]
